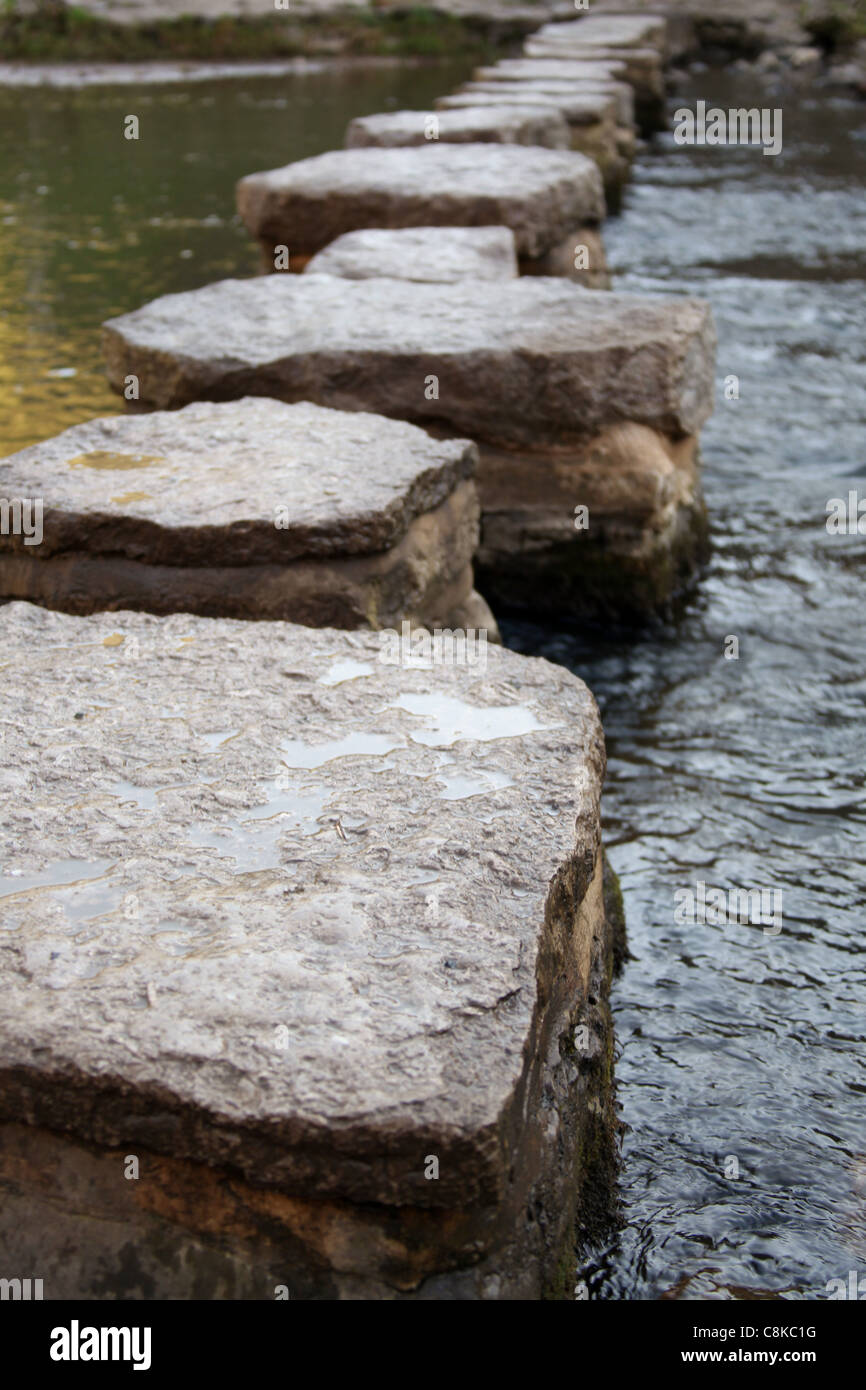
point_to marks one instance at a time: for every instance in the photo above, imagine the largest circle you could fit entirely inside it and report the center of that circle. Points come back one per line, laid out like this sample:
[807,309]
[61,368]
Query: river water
[93,224]
[741,1049]
[735,1042]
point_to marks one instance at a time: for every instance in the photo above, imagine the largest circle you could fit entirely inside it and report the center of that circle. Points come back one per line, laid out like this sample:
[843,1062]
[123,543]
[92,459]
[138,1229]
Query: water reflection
[93,225]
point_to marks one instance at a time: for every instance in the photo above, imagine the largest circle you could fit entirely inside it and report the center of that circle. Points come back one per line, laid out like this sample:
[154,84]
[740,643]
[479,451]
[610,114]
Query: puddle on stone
[106,460]
[347,670]
[462,785]
[94,902]
[308,755]
[65,873]
[449,720]
[217,739]
[251,838]
[142,796]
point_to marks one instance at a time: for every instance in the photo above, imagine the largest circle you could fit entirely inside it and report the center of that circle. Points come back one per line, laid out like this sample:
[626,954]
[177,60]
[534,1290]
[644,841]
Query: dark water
[93,225]
[749,773]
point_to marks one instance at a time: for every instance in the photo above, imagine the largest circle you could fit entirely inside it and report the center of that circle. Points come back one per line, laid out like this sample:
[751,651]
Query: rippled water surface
[749,773]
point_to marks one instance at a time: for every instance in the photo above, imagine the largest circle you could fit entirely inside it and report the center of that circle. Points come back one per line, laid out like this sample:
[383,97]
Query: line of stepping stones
[328,950]
[585,407]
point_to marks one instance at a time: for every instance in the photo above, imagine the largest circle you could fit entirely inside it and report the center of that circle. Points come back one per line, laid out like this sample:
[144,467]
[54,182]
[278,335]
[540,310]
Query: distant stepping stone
[637,42]
[545,196]
[576,398]
[250,509]
[605,31]
[420,253]
[506,125]
[600,121]
[581,106]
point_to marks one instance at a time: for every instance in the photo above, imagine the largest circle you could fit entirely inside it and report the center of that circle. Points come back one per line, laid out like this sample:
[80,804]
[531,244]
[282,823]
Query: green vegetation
[836,25]
[57,32]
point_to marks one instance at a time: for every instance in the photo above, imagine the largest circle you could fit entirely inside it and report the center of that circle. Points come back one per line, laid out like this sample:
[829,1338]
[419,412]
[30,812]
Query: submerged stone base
[629,556]
[304,965]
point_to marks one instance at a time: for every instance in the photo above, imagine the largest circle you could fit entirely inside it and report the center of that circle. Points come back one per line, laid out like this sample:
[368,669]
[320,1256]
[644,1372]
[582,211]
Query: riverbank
[63,33]
[60,44]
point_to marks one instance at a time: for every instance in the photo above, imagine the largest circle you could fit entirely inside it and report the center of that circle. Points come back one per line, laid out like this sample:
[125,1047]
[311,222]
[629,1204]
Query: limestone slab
[251,508]
[420,253]
[280,918]
[532,361]
[506,125]
[541,194]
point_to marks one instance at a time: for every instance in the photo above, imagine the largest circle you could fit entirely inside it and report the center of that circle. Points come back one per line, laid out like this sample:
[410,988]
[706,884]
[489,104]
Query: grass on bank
[57,32]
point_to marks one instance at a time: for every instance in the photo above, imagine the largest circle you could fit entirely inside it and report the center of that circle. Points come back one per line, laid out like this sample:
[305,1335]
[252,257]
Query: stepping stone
[319,941]
[593,123]
[566,68]
[606,31]
[420,253]
[642,67]
[544,376]
[506,125]
[579,105]
[250,509]
[543,195]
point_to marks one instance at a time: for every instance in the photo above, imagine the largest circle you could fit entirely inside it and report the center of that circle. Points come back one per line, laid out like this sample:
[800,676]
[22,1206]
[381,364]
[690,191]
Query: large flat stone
[249,509]
[541,194]
[528,362]
[436,254]
[505,125]
[285,923]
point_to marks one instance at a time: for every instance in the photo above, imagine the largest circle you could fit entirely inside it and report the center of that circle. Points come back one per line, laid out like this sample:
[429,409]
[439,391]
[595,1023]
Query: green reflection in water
[93,225]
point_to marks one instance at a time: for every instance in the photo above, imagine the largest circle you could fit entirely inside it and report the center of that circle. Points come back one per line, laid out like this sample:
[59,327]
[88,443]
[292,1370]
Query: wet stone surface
[274,905]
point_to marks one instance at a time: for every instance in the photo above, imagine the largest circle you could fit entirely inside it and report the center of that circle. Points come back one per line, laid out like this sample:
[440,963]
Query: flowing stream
[735,1042]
